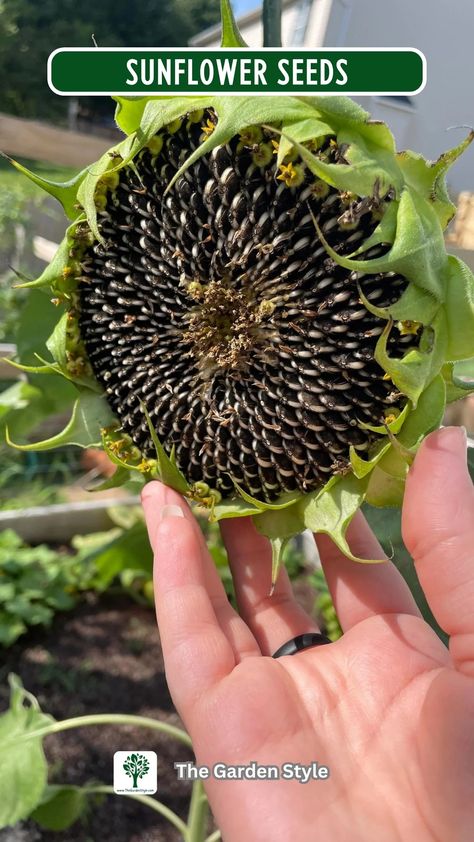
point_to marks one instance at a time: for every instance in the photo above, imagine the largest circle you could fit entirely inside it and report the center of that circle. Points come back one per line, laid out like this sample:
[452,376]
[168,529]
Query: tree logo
[136,766]
[135,771]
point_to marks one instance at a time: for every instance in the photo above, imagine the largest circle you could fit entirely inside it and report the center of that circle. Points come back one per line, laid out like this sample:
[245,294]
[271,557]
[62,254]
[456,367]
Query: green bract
[439,298]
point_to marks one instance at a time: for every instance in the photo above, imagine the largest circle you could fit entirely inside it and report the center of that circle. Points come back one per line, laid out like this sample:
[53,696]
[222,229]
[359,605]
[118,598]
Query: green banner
[144,72]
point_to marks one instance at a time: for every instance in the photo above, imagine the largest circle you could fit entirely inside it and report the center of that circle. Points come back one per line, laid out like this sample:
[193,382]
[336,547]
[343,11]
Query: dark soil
[105,657]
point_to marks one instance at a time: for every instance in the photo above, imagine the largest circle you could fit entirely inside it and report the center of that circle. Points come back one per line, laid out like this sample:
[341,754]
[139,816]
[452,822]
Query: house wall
[444,31]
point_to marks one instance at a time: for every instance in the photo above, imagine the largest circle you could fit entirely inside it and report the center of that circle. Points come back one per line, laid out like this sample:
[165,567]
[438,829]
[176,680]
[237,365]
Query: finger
[201,635]
[360,591]
[438,530]
[273,619]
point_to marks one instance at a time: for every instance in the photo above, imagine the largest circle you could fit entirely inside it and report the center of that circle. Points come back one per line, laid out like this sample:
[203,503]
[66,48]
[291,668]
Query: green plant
[34,584]
[18,198]
[23,780]
[37,582]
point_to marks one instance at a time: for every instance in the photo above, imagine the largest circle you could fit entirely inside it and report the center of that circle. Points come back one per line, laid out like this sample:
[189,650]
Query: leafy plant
[34,584]
[18,199]
[23,780]
[37,582]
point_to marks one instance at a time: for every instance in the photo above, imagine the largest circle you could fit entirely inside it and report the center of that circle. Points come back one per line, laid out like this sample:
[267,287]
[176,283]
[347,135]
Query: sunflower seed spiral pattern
[217,306]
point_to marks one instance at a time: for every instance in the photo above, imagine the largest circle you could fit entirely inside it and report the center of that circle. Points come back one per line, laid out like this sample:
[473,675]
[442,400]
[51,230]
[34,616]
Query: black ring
[301,642]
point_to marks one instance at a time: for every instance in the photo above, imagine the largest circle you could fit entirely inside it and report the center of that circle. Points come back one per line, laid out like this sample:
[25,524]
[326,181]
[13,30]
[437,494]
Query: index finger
[197,624]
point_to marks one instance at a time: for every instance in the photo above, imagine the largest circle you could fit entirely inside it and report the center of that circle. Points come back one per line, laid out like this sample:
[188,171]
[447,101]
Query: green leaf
[300,131]
[367,166]
[329,510]
[168,472]
[32,613]
[415,304]
[419,366]
[56,344]
[65,193]
[89,415]
[428,178]
[129,112]
[60,807]
[278,548]
[129,549]
[417,252]
[461,378]
[235,507]
[236,113]
[7,590]
[332,509]
[231,36]
[362,467]
[343,113]
[459,310]
[384,489]
[387,481]
[44,368]
[453,392]
[53,270]
[57,274]
[283,501]
[23,770]
[120,476]
[394,426]
[427,415]
[11,628]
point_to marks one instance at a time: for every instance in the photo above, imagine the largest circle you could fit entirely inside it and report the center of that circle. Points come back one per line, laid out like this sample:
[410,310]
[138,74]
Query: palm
[367,708]
[387,707]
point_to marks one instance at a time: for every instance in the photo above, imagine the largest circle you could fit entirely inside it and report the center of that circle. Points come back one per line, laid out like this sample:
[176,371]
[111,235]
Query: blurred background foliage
[30,30]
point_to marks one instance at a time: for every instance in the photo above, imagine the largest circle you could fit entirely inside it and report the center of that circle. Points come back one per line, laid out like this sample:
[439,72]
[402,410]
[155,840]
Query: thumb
[438,530]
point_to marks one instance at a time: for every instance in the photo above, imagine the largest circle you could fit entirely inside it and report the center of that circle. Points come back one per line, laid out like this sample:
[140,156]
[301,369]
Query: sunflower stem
[108,719]
[198,813]
[153,803]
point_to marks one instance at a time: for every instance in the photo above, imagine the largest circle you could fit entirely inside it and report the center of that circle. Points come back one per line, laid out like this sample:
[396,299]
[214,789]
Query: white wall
[444,31]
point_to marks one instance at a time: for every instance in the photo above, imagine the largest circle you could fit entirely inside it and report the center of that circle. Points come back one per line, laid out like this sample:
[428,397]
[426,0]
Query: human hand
[387,707]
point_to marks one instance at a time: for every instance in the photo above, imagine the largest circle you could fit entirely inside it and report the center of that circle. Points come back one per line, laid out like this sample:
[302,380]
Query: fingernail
[453,439]
[171,511]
